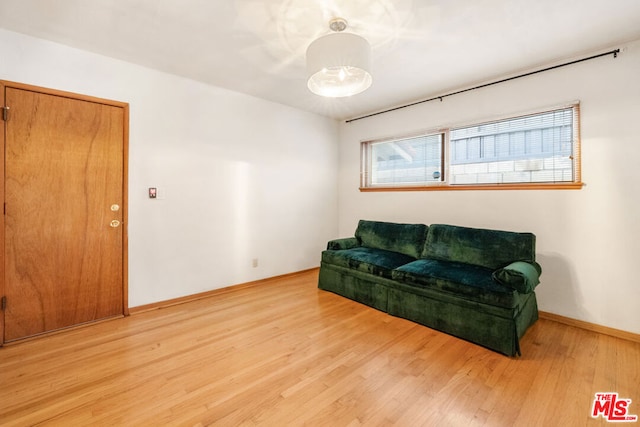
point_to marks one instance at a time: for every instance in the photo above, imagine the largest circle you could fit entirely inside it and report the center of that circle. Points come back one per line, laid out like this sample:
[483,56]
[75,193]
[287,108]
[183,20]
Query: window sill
[527,186]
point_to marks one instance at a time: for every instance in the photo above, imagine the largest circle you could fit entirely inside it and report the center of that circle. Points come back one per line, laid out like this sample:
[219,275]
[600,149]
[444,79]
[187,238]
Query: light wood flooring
[284,353]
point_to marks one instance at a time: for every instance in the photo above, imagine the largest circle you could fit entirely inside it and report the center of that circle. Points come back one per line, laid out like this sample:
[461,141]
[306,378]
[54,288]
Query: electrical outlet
[254,262]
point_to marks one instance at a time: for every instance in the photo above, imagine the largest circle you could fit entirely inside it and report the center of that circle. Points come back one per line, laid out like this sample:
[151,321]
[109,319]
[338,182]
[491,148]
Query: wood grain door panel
[63,174]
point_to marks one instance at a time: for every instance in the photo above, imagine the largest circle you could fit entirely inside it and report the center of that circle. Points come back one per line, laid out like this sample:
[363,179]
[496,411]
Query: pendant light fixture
[339,63]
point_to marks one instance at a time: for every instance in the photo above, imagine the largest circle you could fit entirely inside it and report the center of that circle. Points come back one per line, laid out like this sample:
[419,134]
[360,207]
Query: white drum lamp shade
[338,65]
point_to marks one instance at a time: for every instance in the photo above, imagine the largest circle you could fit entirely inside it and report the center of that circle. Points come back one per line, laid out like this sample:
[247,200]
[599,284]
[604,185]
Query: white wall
[239,177]
[588,240]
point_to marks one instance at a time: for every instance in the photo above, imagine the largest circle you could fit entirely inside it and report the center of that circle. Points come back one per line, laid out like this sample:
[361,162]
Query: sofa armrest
[346,243]
[520,275]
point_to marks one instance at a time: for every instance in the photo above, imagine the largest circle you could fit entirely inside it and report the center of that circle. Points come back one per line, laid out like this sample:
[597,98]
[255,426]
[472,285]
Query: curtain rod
[612,52]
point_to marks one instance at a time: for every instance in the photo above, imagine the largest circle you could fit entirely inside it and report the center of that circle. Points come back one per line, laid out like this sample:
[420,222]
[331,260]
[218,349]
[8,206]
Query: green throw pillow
[521,276]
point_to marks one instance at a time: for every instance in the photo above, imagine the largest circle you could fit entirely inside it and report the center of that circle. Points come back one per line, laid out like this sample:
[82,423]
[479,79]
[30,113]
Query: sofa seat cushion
[378,262]
[467,281]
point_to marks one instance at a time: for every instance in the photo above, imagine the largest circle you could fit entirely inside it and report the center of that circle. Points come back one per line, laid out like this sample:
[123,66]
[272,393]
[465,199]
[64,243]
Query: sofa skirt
[361,287]
[496,328]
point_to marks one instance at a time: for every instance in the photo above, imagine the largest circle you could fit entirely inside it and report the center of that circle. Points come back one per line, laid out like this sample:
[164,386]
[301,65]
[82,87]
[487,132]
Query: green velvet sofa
[476,284]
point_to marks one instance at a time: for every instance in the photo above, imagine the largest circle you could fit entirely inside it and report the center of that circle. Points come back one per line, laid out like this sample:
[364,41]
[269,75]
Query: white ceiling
[421,48]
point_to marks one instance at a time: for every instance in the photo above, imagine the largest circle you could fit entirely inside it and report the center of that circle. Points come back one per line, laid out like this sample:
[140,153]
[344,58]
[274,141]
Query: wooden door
[64,238]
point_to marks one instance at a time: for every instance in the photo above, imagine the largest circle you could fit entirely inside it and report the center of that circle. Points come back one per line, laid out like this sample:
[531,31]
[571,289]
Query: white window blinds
[530,149]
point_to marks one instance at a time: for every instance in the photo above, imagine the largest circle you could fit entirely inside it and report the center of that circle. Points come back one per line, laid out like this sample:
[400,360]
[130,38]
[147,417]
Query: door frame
[125,182]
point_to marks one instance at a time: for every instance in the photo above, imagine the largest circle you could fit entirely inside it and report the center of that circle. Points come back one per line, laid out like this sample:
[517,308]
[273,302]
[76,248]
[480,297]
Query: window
[409,161]
[534,151]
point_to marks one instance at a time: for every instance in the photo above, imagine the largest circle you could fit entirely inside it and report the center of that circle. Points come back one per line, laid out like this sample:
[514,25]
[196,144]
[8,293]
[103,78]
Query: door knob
[115,223]
[115,208]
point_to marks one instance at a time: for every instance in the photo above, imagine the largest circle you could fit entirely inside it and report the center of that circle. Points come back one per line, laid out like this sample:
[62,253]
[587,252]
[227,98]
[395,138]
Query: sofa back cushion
[408,239]
[486,248]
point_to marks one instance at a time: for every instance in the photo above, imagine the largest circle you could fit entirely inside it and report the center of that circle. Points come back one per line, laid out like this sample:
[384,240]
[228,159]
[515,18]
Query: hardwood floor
[285,353]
